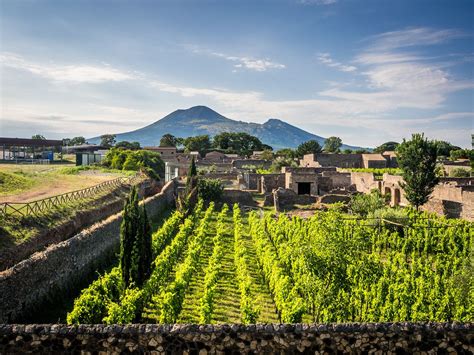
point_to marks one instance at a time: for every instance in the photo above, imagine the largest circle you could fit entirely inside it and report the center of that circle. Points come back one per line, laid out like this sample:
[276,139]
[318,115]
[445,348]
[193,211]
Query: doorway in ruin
[304,188]
[396,197]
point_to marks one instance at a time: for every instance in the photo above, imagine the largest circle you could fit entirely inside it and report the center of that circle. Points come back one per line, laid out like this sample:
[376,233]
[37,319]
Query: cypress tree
[128,233]
[192,173]
[145,258]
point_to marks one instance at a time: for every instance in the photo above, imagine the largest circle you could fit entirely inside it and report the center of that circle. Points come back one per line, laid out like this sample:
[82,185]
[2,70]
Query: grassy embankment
[26,183]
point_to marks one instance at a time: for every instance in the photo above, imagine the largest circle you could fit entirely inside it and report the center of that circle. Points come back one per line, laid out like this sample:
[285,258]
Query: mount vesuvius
[200,120]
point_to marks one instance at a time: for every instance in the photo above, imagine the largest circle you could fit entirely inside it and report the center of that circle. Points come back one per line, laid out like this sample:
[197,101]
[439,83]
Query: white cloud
[250,63]
[420,36]
[326,59]
[67,73]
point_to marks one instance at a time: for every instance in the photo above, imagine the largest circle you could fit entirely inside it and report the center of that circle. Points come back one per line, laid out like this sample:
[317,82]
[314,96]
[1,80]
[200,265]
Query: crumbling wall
[287,198]
[365,182]
[269,182]
[243,198]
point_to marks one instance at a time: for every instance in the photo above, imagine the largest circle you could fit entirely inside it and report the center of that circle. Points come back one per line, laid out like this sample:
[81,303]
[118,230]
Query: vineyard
[223,265]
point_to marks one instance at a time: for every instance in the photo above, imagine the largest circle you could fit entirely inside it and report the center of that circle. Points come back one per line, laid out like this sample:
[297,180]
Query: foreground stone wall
[57,269]
[403,338]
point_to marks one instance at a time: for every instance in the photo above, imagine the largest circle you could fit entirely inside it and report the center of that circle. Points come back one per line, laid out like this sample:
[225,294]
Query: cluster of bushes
[210,189]
[137,160]
[377,171]
[363,204]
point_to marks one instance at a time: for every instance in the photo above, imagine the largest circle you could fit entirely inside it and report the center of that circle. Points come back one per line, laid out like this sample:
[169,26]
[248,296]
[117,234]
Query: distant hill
[199,120]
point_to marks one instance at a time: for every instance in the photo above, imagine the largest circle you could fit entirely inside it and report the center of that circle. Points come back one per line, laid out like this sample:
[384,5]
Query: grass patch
[14,182]
[75,170]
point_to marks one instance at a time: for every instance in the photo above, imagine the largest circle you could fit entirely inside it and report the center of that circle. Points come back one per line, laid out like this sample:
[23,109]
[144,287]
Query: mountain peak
[274,121]
[199,120]
[194,113]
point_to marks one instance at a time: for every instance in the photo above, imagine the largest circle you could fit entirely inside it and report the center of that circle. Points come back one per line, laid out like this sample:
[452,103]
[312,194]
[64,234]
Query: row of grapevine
[91,306]
[130,306]
[249,313]
[213,270]
[163,236]
[350,271]
[289,303]
[171,298]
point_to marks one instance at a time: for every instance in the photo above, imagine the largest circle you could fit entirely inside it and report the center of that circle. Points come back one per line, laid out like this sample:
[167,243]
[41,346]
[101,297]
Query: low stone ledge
[235,338]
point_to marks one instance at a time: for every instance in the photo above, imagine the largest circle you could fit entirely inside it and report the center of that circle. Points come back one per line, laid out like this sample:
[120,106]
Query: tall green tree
[332,144]
[135,242]
[168,140]
[128,231]
[78,140]
[197,143]
[192,173]
[308,147]
[417,159]
[107,140]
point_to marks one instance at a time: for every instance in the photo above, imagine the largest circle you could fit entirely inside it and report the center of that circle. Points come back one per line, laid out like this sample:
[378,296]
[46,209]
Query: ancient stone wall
[398,338]
[365,182]
[337,160]
[260,163]
[269,182]
[243,198]
[286,198]
[222,176]
[26,285]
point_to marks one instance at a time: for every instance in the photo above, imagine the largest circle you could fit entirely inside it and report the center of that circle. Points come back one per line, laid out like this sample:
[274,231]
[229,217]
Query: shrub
[459,172]
[364,203]
[210,189]
[148,162]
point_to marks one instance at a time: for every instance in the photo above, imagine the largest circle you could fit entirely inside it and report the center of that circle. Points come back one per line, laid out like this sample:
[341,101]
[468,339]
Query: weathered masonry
[398,338]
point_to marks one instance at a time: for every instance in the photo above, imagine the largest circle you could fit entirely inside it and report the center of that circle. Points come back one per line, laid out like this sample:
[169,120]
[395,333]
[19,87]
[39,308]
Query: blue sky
[366,71]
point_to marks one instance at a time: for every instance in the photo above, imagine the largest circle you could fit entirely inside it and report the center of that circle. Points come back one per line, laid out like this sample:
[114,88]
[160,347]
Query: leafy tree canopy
[417,159]
[286,153]
[309,147]
[238,143]
[387,146]
[267,155]
[148,162]
[107,140]
[128,145]
[168,140]
[444,148]
[197,143]
[78,140]
[38,136]
[332,144]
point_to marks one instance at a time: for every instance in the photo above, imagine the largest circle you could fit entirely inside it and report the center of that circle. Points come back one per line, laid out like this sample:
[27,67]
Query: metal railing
[44,205]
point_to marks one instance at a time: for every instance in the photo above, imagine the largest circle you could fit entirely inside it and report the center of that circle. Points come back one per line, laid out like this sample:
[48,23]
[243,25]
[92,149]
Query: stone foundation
[399,338]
